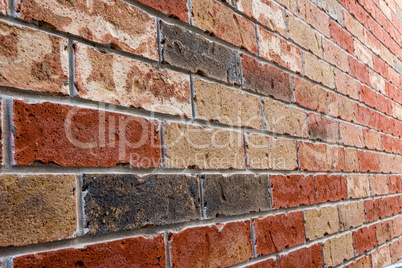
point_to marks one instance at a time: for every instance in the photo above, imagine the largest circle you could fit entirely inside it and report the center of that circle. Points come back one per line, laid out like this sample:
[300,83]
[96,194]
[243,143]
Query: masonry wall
[200,133]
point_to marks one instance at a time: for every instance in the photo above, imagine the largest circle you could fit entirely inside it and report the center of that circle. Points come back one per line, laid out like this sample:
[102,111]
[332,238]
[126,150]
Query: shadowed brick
[172,8]
[323,128]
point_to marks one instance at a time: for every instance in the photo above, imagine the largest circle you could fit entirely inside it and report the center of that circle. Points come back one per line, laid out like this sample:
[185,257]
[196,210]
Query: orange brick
[315,157]
[352,135]
[346,85]
[309,95]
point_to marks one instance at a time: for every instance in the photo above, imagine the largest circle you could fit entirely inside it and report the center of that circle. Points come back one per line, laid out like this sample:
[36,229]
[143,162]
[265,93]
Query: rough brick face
[338,249]
[352,214]
[368,161]
[69,136]
[322,128]
[330,188]
[391,205]
[320,222]
[358,186]
[374,209]
[292,190]
[176,8]
[315,157]
[340,106]
[305,257]
[346,159]
[381,257]
[310,96]
[364,239]
[385,231]
[318,70]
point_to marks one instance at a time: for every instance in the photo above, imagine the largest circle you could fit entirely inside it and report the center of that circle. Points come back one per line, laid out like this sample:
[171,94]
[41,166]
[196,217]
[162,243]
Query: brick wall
[200,133]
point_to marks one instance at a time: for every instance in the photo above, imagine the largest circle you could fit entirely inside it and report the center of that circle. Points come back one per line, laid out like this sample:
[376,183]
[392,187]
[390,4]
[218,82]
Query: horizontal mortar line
[83,103]
[82,241]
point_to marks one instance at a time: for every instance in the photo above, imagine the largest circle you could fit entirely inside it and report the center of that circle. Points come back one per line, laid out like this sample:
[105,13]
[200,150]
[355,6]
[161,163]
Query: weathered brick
[318,70]
[131,252]
[276,49]
[396,250]
[358,186]
[395,110]
[394,184]
[184,49]
[191,146]
[321,222]
[275,233]
[341,37]
[340,106]
[309,95]
[336,56]
[315,157]
[310,13]
[235,194]
[265,79]
[398,164]
[364,239]
[304,257]
[323,128]
[265,12]
[358,70]
[346,85]
[215,102]
[395,127]
[292,190]
[364,115]
[333,8]
[264,152]
[123,81]
[380,66]
[125,26]
[372,42]
[304,35]
[115,202]
[377,82]
[284,119]
[219,245]
[270,263]
[36,208]
[368,96]
[391,205]
[330,188]
[352,214]
[338,249]
[385,105]
[352,135]
[381,122]
[72,136]
[386,163]
[397,223]
[358,12]
[374,209]
[222,22]
[378,185]
[385,231]
[368,161]
[353,26]
[389,143]
[363,53]
[363,262]
[172,8]
[372,139]
[346,159]
[381,257]
[33,60]
[3,7]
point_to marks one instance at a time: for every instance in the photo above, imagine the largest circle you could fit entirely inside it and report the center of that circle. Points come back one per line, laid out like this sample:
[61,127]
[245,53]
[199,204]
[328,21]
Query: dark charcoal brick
[125,201]
[190,51]
[235,194]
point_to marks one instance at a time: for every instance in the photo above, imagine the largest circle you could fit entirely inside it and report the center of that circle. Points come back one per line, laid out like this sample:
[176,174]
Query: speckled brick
[338,249]
[304,257]
[320,222]
[172,8]
[364,239]
[385,231]
[330,188]
[378,184]
[358,185]
[309,95]
[374,209]
[392,206]
[363,262]
[315,157]
[394,184]
[381,257]
[323,128]
[346,159]
[351,214]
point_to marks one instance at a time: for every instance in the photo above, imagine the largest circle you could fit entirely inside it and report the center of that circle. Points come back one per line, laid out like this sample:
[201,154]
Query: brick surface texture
[202,133]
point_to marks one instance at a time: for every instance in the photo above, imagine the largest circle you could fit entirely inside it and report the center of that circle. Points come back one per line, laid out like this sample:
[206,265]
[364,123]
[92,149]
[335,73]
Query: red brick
[384,105]
[386,163]
[392,91]
[396,250]
[309,95]
[315,157]
[381,122]
[265,79]
[380,66]
[125,26]
[364,239]
[35,60]
[368,161]
[341,37]
[270,263]
[363,115]
[352,135]
[335,55]
[397,222]
[396,127]
[368,96]
[359,71]
[381,257]
[310,13]
[323,128]
[389,143]
[69,136]
[385,231]
[330,188]
[276,49]
[172,8]
[364,262]
[346,159]
[394,184]
[340,106]
[391,205]
[222,22]
[131,252]
[359,13]
[378,184]
[374,209]
[304,257]
[372,139]
[372,42]
[292,190]
[211,246]
[275,233]
[346,85]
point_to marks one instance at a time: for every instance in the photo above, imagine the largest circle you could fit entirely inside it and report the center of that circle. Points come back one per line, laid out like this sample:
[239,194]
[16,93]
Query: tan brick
[358,186]
[119,80]
[352,135]
[318,70]
[35,60]
[377,82]
[315,157]
[387,55]
[397,222]
[352,214]
[346,85]
[126,26]
[379,184]
[385,231]
[372,139]
[3,7]
[333,8]
[386,163]
[215,102]
[381,257]
[308,12]
[265,12]
[276,49]
[284,119]
[340,106]
[335,55]
[304,35]
[320,222]
[353,26]
[36,208]
[338,249]
[265,152]
[199,147]
[363,53]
